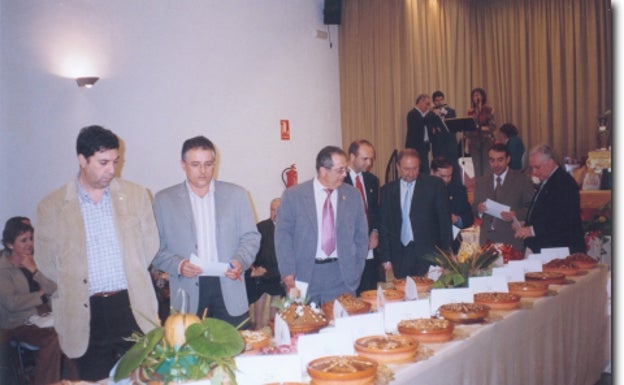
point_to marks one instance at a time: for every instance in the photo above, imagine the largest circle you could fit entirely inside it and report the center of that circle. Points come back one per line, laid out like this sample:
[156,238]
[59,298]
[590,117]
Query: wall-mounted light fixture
[87,82]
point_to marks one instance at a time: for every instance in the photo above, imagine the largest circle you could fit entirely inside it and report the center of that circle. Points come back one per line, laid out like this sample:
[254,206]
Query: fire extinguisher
[289,176]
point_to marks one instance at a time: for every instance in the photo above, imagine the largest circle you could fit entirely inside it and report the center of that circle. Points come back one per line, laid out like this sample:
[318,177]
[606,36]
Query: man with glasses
[321,233]
[554,218]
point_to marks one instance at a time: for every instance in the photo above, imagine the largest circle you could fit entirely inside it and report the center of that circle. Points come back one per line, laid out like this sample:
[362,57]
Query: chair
[391,172]
[22,350]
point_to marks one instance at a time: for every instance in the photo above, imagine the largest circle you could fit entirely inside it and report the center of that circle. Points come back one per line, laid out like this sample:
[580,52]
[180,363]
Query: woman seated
[24,292]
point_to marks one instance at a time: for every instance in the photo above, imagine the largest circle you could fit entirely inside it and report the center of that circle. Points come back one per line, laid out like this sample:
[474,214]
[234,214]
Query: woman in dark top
[509,137]
[480,140]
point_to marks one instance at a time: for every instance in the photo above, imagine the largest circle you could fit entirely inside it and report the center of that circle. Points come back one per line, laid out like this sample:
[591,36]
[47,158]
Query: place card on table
[328,343]
[441,297]
[396,312]
[339,311]
[303,288]
[282,331]
[488,284]
[550,253]
[263,369]
[411,292]
[527,265]
[361,325]
[511,273]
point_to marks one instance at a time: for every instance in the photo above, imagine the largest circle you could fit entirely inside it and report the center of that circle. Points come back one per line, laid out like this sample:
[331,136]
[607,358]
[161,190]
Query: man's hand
[234,271]
[481,208]
[508,215]
[189,270]
[524,232]
[258,271]
[454,218]
[289,281]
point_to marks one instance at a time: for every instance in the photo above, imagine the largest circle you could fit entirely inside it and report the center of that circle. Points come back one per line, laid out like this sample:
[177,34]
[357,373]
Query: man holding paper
[208,237]
[499,196]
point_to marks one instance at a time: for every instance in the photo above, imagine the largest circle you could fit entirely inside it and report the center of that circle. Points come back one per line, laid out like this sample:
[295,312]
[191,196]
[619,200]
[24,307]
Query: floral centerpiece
[184,349]
[598,230]
[470,261]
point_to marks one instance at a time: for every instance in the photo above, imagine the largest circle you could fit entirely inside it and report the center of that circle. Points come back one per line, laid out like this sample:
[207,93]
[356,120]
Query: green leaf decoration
[138,353]
[214,339]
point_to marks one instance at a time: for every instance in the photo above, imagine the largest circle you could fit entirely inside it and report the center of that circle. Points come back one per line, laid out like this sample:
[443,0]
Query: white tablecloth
[559,340]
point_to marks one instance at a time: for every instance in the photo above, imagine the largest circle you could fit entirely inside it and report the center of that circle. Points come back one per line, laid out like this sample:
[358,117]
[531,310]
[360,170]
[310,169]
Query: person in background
[321,234]
[554,216]
[505,186]
[480,140]
[262,279]
[96,237]
[444,142]
[212,221]
[509,136]
[461,212]
[24,292]
[361,158]
[415,218]
[420,121]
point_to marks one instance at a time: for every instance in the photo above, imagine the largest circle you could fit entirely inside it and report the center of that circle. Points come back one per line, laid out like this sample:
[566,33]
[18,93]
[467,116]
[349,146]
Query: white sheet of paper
[440,297]
[488,284]
[527,265]
[264,369]
[339,311]
[312,346]
[303,288]
[466,164]
[550,253]
[511,273]
[211,269]
[282,331]
[456,230]
[361,325]
[397,311]
[434,272]
[411,292]
[495,209]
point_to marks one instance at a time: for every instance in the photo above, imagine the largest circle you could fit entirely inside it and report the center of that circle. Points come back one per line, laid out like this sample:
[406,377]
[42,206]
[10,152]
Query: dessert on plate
[498,300]
[427,330]
[464,312]
[387,348]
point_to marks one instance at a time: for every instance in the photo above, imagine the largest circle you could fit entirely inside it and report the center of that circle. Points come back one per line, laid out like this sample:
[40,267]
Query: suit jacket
[236,235]
[60,242]
[555,215]
[429,215]
[458,203]
[516,192]
[443,142]
[371,188]
[296,233]
[416,125]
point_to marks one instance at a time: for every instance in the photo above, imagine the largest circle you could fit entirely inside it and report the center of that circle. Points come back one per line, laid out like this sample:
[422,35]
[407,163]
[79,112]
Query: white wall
[170,69]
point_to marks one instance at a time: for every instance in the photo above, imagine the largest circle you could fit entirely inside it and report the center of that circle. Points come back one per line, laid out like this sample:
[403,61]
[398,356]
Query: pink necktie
[328,236]
[359,186]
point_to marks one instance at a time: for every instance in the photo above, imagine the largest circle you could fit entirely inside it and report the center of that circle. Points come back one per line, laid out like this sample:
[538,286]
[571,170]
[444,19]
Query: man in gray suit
[515,191]
[213,221]
[329,258]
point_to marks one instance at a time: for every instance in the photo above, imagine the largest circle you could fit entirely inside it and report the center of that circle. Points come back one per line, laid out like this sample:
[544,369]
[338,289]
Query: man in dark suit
[443,141]
[310,246]
[419,122]
[461,212]
[515,191]
[554,218]
[415,218]
[361,157]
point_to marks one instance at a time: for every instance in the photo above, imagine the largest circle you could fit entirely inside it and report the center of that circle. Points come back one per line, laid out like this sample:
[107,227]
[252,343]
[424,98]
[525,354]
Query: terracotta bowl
[387,349]
[582,261]
[498,300]
[427,330]
[423,284]
[547,277]
[351,304]
[370,296]
[255,339]
[310,322]
[464,312]
[531,289]
[342,370]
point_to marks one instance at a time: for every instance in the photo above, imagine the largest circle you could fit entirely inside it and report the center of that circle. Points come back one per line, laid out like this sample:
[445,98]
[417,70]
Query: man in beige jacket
[96,237]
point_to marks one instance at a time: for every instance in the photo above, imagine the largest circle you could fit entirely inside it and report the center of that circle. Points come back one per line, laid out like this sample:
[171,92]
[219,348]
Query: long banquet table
[560,339]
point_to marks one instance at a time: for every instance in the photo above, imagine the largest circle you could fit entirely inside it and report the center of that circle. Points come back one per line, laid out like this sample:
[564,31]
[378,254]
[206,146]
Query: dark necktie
[328,236]
[497,189]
